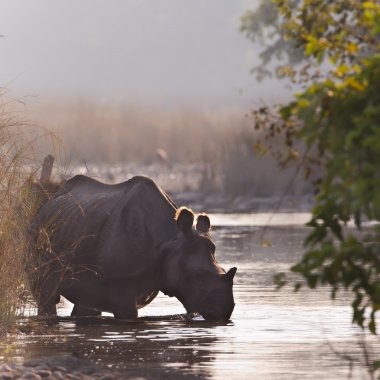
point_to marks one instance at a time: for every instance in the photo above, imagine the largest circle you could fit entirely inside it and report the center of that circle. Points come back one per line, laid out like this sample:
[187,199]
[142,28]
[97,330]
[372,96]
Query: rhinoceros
[114,247]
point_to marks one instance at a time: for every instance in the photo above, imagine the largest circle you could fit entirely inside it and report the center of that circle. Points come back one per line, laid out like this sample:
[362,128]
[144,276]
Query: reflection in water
[165,347]
[273,335]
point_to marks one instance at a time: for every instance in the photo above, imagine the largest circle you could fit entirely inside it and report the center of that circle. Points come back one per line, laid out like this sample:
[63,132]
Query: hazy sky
[145,51]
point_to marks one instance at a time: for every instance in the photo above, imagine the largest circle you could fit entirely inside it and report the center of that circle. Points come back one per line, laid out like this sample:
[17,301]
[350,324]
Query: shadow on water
[170,347]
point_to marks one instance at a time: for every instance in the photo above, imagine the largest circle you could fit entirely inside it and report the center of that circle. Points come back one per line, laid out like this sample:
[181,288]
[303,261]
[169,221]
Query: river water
[272,334]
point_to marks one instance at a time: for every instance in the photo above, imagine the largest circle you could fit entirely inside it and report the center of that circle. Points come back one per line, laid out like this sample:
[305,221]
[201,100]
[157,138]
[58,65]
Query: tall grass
[115,133]
[219,140]
[16,205]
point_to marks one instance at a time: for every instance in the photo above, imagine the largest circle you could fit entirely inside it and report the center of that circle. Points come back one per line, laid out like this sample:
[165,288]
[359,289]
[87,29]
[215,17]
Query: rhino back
[114,228]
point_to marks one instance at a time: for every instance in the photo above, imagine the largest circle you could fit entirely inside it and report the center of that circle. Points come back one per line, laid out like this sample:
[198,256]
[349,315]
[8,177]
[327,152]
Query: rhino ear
[185,220]
[230,274]
[203,223]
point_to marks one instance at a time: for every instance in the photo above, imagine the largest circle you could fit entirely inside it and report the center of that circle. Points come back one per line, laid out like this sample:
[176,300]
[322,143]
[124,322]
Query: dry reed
[219,140]
[16,204]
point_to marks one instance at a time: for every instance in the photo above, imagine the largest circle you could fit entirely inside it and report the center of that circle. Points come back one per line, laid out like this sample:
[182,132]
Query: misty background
[140,87]
[165,52]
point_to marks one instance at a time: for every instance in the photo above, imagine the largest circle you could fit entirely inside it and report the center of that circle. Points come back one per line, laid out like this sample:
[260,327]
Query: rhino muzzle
[218,306]
[218,316]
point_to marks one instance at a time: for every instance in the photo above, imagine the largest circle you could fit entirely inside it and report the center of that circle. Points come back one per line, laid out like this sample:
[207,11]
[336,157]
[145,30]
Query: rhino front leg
[84,311]
[125,313]
[124,308]
[122,301]
[44,288]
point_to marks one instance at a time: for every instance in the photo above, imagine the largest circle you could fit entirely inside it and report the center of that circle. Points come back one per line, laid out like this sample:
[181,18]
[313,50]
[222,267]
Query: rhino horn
[230,274]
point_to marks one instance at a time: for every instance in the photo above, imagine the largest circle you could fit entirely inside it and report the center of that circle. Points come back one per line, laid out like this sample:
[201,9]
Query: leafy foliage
[337,118]
[263,26]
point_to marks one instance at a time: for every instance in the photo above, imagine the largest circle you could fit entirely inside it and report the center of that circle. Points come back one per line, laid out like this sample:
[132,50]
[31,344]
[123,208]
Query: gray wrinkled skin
[113,247]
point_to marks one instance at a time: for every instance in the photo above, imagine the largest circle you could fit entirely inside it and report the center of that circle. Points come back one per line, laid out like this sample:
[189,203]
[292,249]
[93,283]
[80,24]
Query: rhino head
[191,272]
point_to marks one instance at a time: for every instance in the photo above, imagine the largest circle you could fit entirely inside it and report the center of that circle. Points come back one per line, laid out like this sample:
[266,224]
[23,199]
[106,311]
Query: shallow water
[271,335]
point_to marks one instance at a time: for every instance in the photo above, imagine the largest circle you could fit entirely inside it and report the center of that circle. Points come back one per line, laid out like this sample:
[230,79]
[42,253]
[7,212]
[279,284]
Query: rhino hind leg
[146,299]
[84,311]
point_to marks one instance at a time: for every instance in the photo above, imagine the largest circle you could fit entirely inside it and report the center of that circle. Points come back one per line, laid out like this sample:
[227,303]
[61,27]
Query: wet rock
[58,375]
[57,368]
[107,377]
[70,376]
[6,375]
[43,372]
[30,375]
[5,368]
